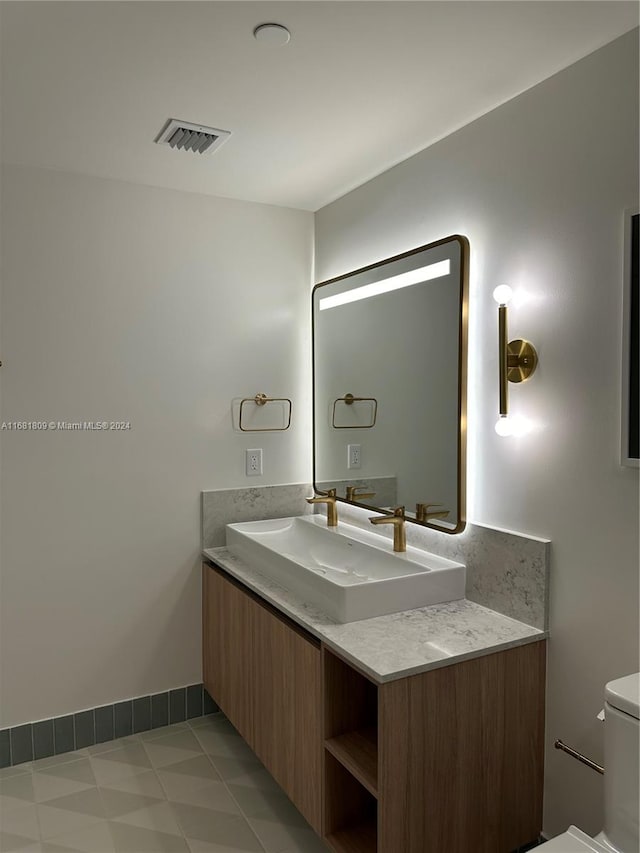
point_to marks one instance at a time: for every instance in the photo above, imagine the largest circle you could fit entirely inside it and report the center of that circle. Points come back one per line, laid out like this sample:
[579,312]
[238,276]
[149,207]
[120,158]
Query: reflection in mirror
[389,357]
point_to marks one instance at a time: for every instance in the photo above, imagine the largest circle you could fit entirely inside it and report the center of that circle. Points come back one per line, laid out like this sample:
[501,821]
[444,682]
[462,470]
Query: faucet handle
[395,517]
[423,512]
[329,495]
[353,493]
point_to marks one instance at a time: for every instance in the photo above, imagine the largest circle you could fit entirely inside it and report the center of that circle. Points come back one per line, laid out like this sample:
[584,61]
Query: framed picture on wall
[630,447]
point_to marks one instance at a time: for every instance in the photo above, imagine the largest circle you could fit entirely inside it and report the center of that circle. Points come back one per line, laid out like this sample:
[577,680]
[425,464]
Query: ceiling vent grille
[185,136]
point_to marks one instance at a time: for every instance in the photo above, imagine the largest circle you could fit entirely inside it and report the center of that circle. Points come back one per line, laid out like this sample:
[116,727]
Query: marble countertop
[397,645]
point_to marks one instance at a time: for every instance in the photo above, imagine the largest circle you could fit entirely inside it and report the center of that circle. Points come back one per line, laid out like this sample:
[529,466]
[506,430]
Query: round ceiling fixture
[272,35]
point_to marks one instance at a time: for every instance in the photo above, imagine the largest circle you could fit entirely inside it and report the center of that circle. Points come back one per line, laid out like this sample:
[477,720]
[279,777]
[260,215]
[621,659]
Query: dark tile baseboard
[32,741]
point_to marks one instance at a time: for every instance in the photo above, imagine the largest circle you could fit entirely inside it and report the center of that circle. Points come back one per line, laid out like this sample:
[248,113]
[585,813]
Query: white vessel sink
[346,572]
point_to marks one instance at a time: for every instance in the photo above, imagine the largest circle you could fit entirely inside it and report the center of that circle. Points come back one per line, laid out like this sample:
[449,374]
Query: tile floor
[193,787]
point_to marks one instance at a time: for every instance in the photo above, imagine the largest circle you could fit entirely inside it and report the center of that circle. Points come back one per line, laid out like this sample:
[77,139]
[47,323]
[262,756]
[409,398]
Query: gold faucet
[398,521]
[423,512]
[353,493]
[332,509]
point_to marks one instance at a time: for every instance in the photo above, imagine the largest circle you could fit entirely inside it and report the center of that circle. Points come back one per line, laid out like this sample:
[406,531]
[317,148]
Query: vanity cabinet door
[462,755]
[265,674]
[288,734]
[228,649]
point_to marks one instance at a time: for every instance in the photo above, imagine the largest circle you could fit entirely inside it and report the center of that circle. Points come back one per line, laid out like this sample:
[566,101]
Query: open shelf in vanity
[350,761]
[351,720]
[358,753]
[351,812]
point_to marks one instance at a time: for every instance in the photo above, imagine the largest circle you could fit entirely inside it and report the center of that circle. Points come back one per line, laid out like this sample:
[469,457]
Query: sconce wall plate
[522,360]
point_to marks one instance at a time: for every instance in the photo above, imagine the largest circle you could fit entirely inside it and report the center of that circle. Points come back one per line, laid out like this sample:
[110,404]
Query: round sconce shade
[502,294]
[503,425]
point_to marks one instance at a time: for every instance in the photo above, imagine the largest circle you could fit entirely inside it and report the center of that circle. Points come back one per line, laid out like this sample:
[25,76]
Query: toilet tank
[621,750]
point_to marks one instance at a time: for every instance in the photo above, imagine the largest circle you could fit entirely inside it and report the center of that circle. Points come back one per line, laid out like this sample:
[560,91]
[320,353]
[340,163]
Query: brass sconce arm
[517,359]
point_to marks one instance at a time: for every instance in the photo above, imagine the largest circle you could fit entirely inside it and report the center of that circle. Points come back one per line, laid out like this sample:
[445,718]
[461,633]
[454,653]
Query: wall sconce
[518,360]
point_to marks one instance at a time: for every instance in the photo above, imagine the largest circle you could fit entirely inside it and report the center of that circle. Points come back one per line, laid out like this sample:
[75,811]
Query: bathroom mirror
[389,384]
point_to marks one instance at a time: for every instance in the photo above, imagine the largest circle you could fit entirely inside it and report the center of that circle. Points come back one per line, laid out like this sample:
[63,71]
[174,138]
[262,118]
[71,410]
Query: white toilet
[621,794]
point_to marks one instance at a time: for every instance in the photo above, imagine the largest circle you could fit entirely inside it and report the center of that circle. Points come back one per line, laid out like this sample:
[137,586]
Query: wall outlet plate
[354,456]
[253,462]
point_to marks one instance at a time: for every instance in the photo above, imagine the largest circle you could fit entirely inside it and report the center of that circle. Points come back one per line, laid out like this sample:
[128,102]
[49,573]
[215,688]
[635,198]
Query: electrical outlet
[354,456]
[253,462]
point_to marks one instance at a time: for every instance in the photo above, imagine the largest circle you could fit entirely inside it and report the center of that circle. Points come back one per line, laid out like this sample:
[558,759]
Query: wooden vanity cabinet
[265,674]
[445,761]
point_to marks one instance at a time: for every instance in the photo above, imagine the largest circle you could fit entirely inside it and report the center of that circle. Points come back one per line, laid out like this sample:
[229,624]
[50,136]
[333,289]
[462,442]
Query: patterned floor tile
[206,722]
[163,731]
[92,839]
[128,760]
[269,805]
[120,803]
[216,723]
[47,788]
[77,771]
[55,760]
[279,838]
[173,748]
[70,813]
[16,770]
[10,842]
[213,795]
[158,817]
[112,745]
[84,802]
[192,787]
[146,783]
[62,779]
[16,791]
[179,787]
[223,744]
[127,752]
[21,821]
[134,839]
[197,846]
[216,827]
[249,772]
[198,766]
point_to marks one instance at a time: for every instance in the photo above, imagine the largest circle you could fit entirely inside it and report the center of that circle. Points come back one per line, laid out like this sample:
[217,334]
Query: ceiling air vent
[192,137]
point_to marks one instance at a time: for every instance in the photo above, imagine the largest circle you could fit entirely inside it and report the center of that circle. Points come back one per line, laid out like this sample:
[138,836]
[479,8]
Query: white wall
[539,187]
[124,302]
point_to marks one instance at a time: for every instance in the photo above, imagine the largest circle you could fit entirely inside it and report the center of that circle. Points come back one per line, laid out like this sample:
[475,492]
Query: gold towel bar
[349,400]
[262,400]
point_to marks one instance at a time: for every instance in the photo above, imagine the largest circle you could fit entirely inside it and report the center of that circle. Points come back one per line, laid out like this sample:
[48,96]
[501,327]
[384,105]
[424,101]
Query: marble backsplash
[506,571]
[226,506]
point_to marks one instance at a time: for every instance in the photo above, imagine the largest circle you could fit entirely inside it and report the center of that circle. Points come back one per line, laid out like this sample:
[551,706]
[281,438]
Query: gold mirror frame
[462,378]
